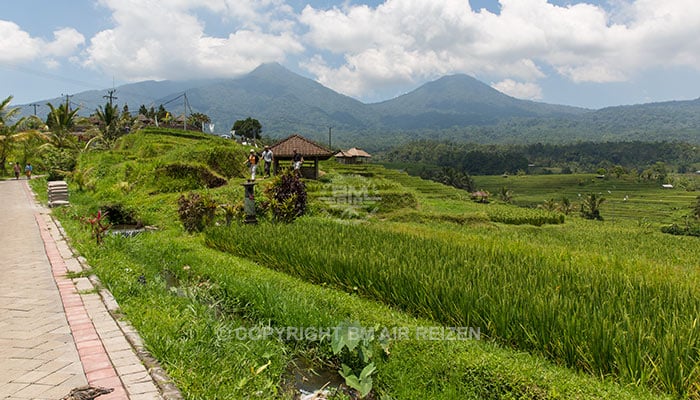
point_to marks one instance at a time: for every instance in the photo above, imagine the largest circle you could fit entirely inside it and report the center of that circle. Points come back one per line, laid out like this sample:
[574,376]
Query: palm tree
[8,130]
[109,121]
[505,194]
[60,121]
[566,206]
[590,207]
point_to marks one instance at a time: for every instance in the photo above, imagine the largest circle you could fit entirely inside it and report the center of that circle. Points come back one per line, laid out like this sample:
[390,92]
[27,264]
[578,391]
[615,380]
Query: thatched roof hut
[352,156]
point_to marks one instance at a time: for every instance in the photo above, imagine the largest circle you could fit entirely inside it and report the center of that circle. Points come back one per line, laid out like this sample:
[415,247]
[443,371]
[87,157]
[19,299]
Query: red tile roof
[307,148]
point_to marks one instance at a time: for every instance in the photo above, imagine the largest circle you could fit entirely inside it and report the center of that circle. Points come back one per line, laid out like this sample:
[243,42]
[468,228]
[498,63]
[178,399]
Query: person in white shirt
[267,156]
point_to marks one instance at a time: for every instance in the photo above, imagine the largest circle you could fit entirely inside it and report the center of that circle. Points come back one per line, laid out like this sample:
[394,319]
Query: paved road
[56,333]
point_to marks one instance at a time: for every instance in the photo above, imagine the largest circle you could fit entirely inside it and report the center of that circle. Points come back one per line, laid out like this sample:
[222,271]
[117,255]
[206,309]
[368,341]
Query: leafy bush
[196,211]
[287,197]
[57,163]
[687,230]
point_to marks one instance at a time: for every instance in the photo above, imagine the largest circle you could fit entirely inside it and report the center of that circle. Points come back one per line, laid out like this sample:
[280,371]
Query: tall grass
[595,318]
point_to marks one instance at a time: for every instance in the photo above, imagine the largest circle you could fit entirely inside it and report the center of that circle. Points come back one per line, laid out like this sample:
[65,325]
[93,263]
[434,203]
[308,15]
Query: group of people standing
[27,170]
[267,157]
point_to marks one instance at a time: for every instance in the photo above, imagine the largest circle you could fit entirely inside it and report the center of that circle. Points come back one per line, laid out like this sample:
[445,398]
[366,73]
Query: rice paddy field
[565,307]
[626,198]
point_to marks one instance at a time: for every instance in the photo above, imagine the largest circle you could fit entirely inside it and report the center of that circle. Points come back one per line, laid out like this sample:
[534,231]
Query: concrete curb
[134,383]
[166,387]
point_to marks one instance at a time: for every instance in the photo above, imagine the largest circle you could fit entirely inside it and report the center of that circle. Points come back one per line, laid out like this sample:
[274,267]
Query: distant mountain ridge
[456,107]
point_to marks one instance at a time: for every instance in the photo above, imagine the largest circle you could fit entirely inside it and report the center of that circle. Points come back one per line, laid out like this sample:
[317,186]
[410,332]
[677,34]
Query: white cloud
[521,90]
[413,40]
[166,39]
[66,42]
[18,46]
[372,51]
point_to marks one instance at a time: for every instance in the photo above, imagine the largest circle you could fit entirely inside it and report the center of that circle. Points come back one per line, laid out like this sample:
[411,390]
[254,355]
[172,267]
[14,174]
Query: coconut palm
[590,207]
[61,121]
[8,130]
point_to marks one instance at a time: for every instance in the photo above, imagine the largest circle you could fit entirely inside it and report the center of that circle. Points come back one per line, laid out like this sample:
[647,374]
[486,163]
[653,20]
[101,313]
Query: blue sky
[583,53]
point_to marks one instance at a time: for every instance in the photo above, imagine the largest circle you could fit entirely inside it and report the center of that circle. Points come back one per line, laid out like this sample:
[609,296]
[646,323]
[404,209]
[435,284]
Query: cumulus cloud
[18,46]
[521,90]
[166,40]
[66,42]
[373,51]
[413,40]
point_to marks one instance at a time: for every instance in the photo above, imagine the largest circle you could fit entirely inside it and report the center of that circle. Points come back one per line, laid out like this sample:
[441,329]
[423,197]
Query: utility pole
[68,96]
[35,106]
[110,96]
[330,146]
[184,119]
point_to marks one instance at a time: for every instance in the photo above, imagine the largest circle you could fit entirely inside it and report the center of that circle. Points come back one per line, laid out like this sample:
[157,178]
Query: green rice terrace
[456,296]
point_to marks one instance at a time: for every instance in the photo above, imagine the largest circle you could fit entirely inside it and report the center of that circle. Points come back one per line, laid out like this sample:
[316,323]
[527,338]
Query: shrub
[675,229]
[196,211]
[58,163]
[286,196]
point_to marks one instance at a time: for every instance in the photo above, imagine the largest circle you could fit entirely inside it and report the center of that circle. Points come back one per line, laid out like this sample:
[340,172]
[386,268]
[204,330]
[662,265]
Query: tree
[566,206]
[505,194]
[198,120]
[249,128]
[162,113]
[125,120]
[8,130]
[109,121]
[60,122]
[590,207]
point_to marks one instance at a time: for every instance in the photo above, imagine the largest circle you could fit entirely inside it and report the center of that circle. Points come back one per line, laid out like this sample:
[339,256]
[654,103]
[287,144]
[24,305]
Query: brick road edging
[160,378]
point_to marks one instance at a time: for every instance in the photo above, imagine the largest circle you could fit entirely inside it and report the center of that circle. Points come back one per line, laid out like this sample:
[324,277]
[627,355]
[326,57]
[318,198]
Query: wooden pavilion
[352,156]
[310,151]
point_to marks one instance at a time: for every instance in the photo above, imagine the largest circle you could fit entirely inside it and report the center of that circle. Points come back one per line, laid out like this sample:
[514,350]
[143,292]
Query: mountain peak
[270,68]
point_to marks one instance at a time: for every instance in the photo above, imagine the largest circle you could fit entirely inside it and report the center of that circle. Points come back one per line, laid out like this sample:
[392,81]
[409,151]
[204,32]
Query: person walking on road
[17,170]
[28,170]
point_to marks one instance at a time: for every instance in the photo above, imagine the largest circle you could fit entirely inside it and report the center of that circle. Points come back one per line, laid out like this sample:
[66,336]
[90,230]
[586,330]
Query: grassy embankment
[188,300]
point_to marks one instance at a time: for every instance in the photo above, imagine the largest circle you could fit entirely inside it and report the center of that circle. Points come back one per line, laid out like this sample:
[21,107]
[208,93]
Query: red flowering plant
[98,225]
